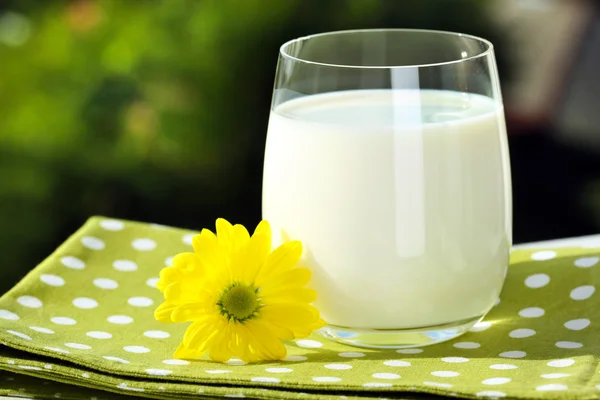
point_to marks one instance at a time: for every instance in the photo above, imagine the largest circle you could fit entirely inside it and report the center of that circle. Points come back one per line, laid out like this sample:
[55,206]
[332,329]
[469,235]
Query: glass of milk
[387,157]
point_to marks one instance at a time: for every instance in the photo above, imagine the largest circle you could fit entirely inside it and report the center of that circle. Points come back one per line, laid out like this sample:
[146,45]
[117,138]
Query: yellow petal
[164,311]
[183,352]
[283,258]
[198,333]
[241,347]
[225,234]
[190,312]
[288,295]
[293,278]
[205,235]
[279,331]
[266,345]
[220,350]
[184,292]
[213,257]
[240,237]
[167,276]
[188,262]
[263,228]
[290,314]
[247,262]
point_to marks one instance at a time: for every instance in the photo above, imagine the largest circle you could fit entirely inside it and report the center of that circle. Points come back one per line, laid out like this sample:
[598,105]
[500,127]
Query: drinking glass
[387,157]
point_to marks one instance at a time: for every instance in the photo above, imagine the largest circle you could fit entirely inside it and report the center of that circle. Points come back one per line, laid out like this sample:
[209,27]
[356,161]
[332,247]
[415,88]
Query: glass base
[398,338]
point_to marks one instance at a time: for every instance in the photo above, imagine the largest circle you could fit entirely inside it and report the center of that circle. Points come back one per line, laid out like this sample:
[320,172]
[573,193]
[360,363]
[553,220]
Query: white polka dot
[52,280]
[19,334]
[11,316]
[377,385]
[29,367]
[85,303]
[385,375]
[568,345]
[99,335]
[490,393]
[125,387]
[152,282]
[467,345]
[115,359]
[554,376]
[140,301]
[543,255]
[235,361]
[169,261]
[503,366]
[84,375]
[219,371]
[136,349]
[279,370]
[58,350]
[326,379]
[537,281]
[264,379]
[157,334]
[48,366]
[496,381]
[480,326]
[30,302]
[513,354]
[582,292]
[78,346]
[72,262]
[351,354]
[586,262]
[438,384]
[532,312]
[42,330]
[92,243]
[521,333]
[455,359]
[295,358]
[187,239]
[158,372]
[309,344]
[338,366]
[561,363]
[144,244]
[577,324]
[496,302]
[105,283]
[112,225]
[125,265]
[63,320]
[235,395]
[445,374]
[119,319]
[396,363]
[552,386]
[409,351]
[176,362]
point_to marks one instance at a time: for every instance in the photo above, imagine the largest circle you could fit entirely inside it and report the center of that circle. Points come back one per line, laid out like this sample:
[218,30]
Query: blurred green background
[156,110]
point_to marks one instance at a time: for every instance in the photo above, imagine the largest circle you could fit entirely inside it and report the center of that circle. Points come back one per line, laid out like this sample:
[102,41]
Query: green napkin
[83,318]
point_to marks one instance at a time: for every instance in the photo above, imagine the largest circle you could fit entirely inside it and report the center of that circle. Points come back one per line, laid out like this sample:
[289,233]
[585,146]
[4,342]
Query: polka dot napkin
[80,325]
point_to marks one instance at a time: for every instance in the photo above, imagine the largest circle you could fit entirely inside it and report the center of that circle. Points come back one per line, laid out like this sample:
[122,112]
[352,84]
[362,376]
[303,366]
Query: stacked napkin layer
[81,324]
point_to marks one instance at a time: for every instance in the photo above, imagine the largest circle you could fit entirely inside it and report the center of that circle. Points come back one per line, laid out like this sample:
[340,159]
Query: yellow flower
[241,298]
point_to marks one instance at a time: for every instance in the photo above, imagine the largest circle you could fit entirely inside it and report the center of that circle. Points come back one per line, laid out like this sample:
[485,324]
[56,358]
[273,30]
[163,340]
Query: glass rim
[488,50]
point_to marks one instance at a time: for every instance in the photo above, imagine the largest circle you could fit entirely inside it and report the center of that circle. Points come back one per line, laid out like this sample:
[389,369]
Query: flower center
[239,302]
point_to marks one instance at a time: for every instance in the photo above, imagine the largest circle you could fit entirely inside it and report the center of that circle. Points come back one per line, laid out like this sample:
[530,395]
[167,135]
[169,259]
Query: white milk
[402,201]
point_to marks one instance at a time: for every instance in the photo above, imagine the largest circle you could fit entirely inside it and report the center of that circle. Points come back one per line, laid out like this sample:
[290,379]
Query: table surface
[581,241]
